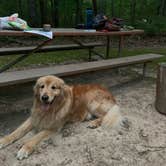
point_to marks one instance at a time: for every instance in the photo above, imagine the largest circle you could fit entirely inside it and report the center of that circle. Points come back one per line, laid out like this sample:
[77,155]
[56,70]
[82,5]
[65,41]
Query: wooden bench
[24,76]
[50,48]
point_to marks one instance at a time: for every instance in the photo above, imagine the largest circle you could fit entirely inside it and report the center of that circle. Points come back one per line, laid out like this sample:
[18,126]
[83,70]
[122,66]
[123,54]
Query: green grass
[139,51]
[61,56]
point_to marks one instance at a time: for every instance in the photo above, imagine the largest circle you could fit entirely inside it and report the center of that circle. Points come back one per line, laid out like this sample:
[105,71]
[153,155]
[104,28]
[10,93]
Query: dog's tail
[113,118]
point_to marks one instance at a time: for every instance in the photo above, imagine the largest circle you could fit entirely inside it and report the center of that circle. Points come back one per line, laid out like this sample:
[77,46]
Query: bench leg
[144,70]
[90,54]
[120,44]
[107,48]
[92,51]
[22,57]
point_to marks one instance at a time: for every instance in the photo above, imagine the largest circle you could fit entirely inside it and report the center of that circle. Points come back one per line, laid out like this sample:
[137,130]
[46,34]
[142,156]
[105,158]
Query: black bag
[99,21]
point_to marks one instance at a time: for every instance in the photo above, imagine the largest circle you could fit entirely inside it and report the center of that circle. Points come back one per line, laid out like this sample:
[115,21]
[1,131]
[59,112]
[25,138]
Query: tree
[112,8]
[43,11]
[20,7]
[120,8]
[133,11]
[101,6]
[94,6]
[79,17]
[55,12]
[32,12]
[162,8]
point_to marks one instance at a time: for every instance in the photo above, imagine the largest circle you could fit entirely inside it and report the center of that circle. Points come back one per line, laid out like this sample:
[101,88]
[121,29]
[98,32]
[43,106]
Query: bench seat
[29,75]
[49,48]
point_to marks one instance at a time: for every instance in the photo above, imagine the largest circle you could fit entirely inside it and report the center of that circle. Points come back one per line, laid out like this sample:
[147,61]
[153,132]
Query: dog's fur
[62,104]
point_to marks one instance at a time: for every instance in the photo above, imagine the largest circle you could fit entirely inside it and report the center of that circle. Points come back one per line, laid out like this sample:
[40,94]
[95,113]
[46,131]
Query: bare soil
[144,143]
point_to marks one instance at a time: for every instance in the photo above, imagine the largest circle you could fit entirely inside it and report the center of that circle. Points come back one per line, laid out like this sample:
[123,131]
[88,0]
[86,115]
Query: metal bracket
[91,50]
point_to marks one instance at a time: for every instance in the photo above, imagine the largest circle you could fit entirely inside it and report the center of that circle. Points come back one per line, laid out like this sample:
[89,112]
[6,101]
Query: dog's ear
[36,89]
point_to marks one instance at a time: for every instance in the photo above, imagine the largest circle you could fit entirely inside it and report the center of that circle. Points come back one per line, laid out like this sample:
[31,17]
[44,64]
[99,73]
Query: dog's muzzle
[45,98]
[46,104]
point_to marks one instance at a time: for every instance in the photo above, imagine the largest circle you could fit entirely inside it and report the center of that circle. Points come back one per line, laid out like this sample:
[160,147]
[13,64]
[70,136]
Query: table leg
[22,57]
[90,54]
[91,50]
[107,47]
[144,70]
[120,44]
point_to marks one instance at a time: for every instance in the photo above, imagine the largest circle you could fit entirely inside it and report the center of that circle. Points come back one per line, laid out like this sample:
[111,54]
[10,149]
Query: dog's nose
[45,98]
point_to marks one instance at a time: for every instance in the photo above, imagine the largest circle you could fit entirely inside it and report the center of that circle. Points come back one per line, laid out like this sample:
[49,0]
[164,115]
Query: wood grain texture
[161,89]
[24,76]
[22,50]
[73,32]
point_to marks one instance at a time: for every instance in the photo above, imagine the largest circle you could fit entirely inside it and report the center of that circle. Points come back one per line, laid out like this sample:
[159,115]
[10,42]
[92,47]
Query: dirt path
[143,144]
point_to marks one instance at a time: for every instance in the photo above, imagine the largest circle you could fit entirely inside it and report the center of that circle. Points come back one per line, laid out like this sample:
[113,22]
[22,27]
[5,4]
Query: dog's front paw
[23,153]
[92,126]
[3,143]
[94,123]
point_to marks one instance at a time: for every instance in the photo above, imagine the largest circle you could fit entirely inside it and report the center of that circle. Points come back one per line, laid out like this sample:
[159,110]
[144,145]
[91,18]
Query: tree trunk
[133,11]
[112,8]
[161,89]
[161,8]
[164,9]
[120,8]
[102,6]
[20,8]
[79,18]
[32,13]
[94,7]
[43,11]
[54,13]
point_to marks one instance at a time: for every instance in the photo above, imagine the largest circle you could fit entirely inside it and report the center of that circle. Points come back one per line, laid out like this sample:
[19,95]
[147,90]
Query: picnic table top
[73,32]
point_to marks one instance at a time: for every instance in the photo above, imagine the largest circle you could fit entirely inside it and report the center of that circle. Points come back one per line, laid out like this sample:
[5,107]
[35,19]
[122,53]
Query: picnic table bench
[63,32]
[29,75]
[51,48]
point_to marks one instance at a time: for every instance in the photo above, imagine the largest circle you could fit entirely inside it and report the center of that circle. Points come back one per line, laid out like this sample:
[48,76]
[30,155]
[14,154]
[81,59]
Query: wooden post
[161,89]
[107,48]
[120,45]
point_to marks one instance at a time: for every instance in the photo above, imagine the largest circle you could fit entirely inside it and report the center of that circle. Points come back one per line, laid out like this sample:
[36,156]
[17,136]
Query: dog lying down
[56,103]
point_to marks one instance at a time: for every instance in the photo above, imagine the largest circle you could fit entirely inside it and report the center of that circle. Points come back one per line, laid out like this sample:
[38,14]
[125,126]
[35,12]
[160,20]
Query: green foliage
[153,26]
[132,11]
[67,13]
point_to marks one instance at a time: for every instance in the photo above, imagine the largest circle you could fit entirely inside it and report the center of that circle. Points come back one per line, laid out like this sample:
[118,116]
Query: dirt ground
[143,144]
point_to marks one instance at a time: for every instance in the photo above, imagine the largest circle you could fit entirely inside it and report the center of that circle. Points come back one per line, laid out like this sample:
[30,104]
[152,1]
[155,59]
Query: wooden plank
[21,50]
[73,32]
[161,89]
[17,77]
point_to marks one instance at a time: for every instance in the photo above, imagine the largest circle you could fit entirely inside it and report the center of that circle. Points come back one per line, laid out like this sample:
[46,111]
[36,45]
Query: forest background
[149,15]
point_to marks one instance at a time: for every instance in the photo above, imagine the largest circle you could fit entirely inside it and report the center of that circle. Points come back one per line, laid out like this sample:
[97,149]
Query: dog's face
[47,89]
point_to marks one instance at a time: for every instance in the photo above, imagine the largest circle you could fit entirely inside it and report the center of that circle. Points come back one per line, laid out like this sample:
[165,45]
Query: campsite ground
[143,143]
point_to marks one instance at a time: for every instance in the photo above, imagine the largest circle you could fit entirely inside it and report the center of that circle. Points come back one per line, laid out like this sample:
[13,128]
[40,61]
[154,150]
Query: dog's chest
[44,120]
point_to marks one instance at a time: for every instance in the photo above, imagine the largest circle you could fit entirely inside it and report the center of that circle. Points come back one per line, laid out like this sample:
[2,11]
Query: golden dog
[56,103]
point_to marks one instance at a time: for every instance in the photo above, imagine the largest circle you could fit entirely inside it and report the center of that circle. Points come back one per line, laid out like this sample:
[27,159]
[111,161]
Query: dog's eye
[53,87]
[42,86]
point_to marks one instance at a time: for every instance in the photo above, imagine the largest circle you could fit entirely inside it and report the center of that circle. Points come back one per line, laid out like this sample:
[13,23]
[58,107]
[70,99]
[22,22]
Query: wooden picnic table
[73,32]
[29,75]
[69,32]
